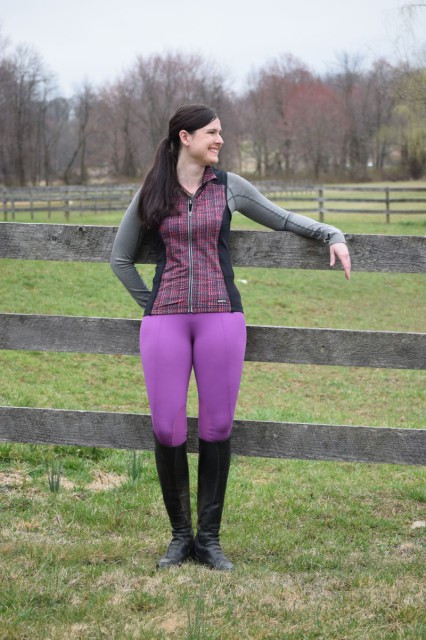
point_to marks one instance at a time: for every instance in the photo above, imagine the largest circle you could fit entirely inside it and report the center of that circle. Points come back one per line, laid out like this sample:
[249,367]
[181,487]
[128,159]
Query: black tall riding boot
[213,468]
[173,473]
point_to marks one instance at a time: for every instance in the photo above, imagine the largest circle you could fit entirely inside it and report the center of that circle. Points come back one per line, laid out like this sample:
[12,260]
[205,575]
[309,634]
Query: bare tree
[117,118]
[268,98]
[82,111]
[411,89]
[351,85]
[317,118]
[382,80]
[25,84]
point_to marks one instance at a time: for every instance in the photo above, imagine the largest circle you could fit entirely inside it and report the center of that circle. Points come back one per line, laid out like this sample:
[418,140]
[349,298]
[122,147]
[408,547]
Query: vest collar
[209,174]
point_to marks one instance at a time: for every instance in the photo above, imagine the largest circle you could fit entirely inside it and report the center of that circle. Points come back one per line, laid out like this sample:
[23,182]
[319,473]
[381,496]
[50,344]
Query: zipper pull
[190,206]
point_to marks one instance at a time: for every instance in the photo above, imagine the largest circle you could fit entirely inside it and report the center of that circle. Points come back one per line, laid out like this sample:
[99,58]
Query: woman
[193,315]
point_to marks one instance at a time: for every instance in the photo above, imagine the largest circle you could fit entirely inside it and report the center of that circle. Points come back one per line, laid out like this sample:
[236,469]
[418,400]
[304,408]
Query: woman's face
[204,144]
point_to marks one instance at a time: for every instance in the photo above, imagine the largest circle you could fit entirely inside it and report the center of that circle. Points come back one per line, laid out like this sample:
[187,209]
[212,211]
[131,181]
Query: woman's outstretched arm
[245,198]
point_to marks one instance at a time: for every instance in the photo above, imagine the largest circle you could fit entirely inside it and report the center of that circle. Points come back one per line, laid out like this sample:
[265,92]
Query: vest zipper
[191,265]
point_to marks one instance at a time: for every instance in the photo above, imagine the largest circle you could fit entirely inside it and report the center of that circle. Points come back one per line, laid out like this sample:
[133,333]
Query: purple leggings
[214,344]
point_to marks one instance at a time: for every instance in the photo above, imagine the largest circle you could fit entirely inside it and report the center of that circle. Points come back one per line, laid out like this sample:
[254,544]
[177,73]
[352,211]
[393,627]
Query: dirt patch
[153,584]
[408,548]
[172,623]
[104,481]
[19,479]
[79,631]
[118,579]
[67,484]
[13,479]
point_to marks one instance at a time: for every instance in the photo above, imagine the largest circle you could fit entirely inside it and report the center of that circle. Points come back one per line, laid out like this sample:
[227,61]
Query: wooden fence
[41,202]
[381,200]
[373,253]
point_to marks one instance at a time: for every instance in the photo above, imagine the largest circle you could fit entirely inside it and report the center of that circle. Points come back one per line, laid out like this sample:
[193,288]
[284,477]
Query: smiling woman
[203,145]
[194,316]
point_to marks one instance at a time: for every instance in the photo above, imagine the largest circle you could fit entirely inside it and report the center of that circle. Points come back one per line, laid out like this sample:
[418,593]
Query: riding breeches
[211,343]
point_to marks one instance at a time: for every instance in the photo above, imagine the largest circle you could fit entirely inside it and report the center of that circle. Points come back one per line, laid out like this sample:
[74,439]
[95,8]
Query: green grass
[322,550]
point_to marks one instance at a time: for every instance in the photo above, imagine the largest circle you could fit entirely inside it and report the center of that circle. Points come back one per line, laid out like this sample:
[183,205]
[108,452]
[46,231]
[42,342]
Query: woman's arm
[125,252]
[245,198]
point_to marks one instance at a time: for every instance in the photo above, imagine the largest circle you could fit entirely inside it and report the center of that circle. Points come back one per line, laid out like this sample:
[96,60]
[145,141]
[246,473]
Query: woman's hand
[340,250]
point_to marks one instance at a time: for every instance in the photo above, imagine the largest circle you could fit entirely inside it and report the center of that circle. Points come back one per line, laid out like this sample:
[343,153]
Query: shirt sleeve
[245,198]
[125,251]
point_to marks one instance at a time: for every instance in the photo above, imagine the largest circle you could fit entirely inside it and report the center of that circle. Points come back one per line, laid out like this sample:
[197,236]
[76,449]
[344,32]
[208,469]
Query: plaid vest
[194,271]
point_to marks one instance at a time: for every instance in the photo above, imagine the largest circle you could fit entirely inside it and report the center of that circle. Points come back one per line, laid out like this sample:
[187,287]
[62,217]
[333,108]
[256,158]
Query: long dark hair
[159,187]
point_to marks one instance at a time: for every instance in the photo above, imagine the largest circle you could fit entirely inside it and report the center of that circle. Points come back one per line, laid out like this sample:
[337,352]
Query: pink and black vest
[194,272]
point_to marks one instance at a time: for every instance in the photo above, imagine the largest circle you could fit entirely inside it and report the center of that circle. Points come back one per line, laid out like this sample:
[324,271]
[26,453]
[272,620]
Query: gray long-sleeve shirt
[240,196]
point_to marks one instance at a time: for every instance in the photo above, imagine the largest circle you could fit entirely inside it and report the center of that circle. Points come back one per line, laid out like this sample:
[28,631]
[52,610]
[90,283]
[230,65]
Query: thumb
[332,257]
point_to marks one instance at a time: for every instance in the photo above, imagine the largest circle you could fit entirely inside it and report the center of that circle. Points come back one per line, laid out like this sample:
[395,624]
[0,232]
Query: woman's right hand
[340,250]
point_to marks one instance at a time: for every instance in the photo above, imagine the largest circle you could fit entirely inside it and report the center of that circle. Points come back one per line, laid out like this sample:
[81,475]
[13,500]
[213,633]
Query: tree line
[288,122]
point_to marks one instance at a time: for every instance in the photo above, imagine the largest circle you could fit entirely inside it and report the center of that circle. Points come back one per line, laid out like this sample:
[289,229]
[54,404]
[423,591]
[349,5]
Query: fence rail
[250,438]
[296,345]
[41,202]
[90,243]
[397,350]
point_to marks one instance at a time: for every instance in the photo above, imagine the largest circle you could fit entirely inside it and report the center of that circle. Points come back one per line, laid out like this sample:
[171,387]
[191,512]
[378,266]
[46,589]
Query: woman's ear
[184,137]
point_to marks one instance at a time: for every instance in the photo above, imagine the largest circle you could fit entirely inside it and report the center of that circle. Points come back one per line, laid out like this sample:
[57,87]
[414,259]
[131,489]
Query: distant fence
[324,200]
[67,200]
[41,202]
[373,253]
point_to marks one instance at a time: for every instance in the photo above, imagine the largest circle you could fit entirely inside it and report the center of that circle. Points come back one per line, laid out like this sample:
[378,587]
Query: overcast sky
[96,40]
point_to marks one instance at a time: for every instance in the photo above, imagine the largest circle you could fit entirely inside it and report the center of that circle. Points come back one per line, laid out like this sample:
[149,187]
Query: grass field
[322,550]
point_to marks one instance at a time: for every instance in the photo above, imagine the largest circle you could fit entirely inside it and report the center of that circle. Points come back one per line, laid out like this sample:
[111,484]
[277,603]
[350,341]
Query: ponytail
[158,189]
[161,183]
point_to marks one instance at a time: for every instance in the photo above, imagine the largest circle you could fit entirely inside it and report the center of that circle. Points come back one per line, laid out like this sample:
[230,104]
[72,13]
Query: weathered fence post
[12,202]
[67,205]
[31,205]
[321,204]
[4,204]
[387,205]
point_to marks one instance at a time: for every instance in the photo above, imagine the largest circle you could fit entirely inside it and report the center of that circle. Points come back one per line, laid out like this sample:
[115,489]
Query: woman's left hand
[340,250]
